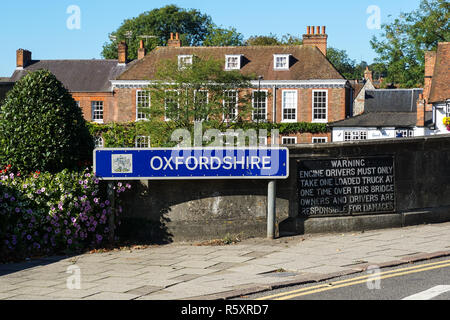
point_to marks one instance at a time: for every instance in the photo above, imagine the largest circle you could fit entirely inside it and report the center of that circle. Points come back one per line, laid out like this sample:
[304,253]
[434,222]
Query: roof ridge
[223,47]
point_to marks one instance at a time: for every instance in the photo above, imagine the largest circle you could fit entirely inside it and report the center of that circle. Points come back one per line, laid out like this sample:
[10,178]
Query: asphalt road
[428,280]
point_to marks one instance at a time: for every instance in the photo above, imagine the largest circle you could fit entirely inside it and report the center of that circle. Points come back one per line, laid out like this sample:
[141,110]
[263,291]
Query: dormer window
[281,61]
[184,60]
[233,62]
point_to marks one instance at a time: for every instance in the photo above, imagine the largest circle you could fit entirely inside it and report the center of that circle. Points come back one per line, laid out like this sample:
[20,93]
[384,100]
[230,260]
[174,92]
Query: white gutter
[254,83]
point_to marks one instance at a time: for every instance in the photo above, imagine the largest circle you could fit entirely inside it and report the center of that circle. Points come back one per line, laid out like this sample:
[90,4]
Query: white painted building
[388,113]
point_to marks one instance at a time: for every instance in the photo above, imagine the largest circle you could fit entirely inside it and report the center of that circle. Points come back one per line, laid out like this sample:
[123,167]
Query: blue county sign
[192,163]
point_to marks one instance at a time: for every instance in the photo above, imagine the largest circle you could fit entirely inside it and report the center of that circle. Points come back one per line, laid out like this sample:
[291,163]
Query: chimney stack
[174,42]
[314,37]
[421,104]
[123,52]
[23,58]
[141,50]
[430,62]
[368,75]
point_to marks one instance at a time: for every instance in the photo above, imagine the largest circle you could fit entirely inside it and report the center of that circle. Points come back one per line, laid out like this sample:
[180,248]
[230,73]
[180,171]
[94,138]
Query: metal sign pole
[271,208]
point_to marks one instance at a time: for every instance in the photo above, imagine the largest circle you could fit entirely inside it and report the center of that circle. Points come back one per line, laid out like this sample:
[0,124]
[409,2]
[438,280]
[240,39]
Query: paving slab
[188,271]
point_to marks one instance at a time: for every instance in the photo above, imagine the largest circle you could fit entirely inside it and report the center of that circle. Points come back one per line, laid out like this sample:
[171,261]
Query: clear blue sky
[40,26]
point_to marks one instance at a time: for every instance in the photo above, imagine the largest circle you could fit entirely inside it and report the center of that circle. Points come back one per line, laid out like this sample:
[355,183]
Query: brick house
[388,113]
[87,80]
[300,83]
[436,98]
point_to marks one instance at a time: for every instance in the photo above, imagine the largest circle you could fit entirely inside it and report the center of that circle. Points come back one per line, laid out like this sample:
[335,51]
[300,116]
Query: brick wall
[86,99]
[124,107]
[430,62]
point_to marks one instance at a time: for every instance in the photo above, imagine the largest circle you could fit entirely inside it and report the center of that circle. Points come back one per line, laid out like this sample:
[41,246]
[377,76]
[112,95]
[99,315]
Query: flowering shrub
[447,123]
[44,213]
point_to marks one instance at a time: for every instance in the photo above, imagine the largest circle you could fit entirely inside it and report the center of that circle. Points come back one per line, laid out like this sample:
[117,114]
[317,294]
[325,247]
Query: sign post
[198,164]
[271,208]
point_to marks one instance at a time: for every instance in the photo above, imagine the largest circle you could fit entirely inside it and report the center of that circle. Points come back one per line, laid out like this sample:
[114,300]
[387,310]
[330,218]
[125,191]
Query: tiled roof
[379,119]
[387,108]
[78,75]
[307,62]
[392,100]
[440,86]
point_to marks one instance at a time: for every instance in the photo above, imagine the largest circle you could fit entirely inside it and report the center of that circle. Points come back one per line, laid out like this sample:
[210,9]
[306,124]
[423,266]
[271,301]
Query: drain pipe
[274,104]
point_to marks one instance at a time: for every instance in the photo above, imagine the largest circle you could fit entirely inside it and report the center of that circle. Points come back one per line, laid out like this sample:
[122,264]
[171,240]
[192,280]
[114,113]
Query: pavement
[195,271]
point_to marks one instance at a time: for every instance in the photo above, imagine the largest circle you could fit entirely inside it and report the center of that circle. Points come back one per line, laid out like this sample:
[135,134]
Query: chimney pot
[316,39]
[174,42]
[141,50]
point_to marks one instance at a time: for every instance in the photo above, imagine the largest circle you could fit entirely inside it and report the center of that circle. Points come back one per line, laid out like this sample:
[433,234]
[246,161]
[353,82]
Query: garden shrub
[46,213]
[41,127]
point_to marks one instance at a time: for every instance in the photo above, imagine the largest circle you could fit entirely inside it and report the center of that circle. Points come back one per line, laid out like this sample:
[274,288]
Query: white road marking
[429,294]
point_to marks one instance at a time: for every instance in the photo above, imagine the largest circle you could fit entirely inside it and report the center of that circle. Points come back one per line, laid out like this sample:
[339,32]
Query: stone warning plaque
[339,187]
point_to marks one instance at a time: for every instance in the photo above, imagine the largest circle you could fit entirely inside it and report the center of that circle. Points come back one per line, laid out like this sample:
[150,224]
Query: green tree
[41,127]
[273,40]
[404,41]
[342,62]
[270,40]
[290,40]
[192,25]
[219,36]
[201,91]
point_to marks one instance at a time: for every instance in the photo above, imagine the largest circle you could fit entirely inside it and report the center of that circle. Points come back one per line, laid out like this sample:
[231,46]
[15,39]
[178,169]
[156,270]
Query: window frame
[316,139]
[288,60]
[102,143]
[95,111]
[139,107]
[182,65]
[207,99]
[283,106]
[313,106]
[147,141]
[284,143]
[236,106]
[405,132]
[356,135]
[165,103]
[266,92]
[239,63]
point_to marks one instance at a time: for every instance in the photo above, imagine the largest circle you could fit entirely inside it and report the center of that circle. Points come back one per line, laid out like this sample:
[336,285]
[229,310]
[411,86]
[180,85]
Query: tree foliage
[41,127]
[222,37]
[273,40]
[405,40]
[197,92]
[192,25]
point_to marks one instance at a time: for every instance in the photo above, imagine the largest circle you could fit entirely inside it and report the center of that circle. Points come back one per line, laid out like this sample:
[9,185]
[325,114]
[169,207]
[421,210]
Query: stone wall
[198,210]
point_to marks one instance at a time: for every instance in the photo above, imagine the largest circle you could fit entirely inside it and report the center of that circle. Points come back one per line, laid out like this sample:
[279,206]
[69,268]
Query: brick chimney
[174,42]
[23,58]
[368,75]
[317,38]
[421,104]
[122,49]
[430,61]
[141,50]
